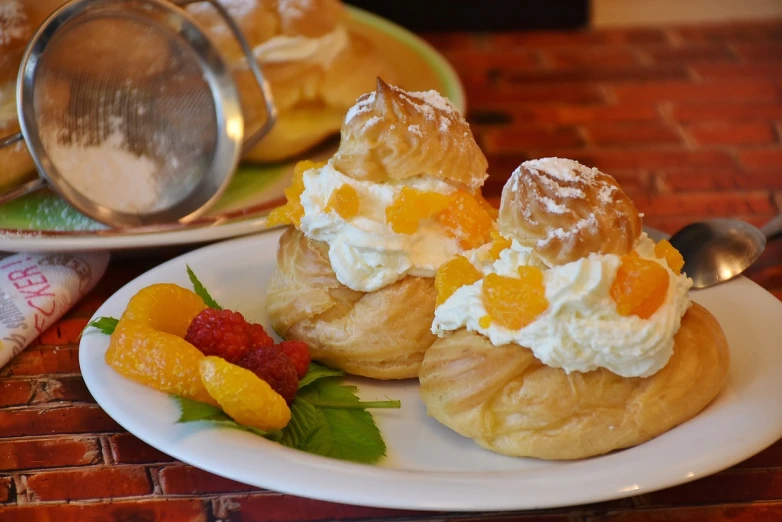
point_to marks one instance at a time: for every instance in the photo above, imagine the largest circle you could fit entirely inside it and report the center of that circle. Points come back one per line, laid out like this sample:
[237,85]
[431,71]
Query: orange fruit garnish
[499,244]
[243,396]
[157,359]
[665,250]
[453,275]
[413,205]
[485,321]
[515,303]
[640,287]
[344,201]
[165,307]
[292,211]
[467,220]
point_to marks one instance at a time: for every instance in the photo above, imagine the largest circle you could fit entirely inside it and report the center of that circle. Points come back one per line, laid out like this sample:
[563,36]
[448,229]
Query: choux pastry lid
[564,211]
[391,134]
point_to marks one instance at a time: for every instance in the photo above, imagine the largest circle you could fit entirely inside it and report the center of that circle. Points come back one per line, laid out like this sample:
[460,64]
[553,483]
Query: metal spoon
[717,250]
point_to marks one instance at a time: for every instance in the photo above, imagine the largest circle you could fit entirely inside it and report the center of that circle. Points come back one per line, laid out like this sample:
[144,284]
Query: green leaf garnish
[346,434]
[327,419]
[200,289]
[105,325]
[326,393]
[194,411]
[316,371]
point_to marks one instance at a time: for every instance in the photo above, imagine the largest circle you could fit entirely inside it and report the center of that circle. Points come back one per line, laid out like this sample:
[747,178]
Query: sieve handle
[263,85]
[10,140]
[26,188]
[22,190]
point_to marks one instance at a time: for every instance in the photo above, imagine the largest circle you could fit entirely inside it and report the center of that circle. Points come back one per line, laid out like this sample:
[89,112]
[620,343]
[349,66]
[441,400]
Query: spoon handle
[773,228]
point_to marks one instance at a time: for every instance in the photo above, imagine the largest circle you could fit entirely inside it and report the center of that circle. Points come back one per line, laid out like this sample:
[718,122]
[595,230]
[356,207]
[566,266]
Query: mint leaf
[347,435]
[342,434]
[194,411]
[304,420]
[316,371]
[328,419]
[199,289]
[106,325]
[326,393]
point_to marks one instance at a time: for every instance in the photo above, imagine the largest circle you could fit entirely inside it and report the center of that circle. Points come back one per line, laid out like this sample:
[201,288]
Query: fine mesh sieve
[130,113]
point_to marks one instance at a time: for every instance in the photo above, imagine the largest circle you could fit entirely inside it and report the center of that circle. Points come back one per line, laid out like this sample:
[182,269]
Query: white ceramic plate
[429,467]
[44,222]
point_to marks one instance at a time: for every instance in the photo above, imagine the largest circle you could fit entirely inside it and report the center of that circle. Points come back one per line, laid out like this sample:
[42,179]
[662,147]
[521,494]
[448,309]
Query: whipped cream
[581,330]
[321,50]
[365,253]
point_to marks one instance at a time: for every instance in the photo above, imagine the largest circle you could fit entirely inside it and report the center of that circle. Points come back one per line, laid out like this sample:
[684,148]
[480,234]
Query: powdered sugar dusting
[374,120]
[99,170]
[552,206]
[415,129]
[435,99]
[606,193]
[563,169]
[293,9]
[54,214]
[445,124]
[12,21]
[363,106]
[559,191]
[567,236]
[236,8]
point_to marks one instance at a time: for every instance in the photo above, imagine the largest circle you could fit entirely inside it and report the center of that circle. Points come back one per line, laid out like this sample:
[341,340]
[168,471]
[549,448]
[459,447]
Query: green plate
[43,220]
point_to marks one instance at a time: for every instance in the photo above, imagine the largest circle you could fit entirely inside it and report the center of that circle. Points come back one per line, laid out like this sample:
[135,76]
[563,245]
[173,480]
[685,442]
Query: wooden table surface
[686,118]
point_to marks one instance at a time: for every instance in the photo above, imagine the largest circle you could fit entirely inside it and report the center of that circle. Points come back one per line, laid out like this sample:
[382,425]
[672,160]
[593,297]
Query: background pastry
[18,21]
[368,229]
[575,351]
[315,66]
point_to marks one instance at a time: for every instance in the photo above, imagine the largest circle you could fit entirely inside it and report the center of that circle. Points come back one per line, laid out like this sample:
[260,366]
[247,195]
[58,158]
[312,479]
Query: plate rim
[247,219]
[358,470]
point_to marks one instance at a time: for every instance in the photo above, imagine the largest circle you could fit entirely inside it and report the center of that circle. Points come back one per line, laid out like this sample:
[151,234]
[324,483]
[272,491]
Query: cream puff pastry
[572,335]
[315,66]
[368,229]
[18,21]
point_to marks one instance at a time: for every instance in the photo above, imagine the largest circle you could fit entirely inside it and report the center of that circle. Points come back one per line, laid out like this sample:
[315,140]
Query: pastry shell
[509,402]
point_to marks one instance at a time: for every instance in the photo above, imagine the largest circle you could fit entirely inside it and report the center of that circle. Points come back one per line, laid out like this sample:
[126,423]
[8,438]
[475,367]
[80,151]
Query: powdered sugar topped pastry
[19,19]
[571,322]
[565,209]
[369,228]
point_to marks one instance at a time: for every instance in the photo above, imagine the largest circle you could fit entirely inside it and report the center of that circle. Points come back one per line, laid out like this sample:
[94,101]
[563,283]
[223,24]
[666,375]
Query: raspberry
[272,366]
[226,334]
[299,355]
[259,338]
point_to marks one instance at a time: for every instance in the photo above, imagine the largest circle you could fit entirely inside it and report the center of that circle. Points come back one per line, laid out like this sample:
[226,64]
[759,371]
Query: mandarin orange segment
[157,359]
[413,205]
[453,275]
[344,201]
[243,396]
[292,211]
[499,244]
[165,307]
[665,250]
[515,303]
[640,287]
[467,220]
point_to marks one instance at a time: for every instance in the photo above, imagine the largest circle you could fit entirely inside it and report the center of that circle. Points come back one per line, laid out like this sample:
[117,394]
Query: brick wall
[687,119]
